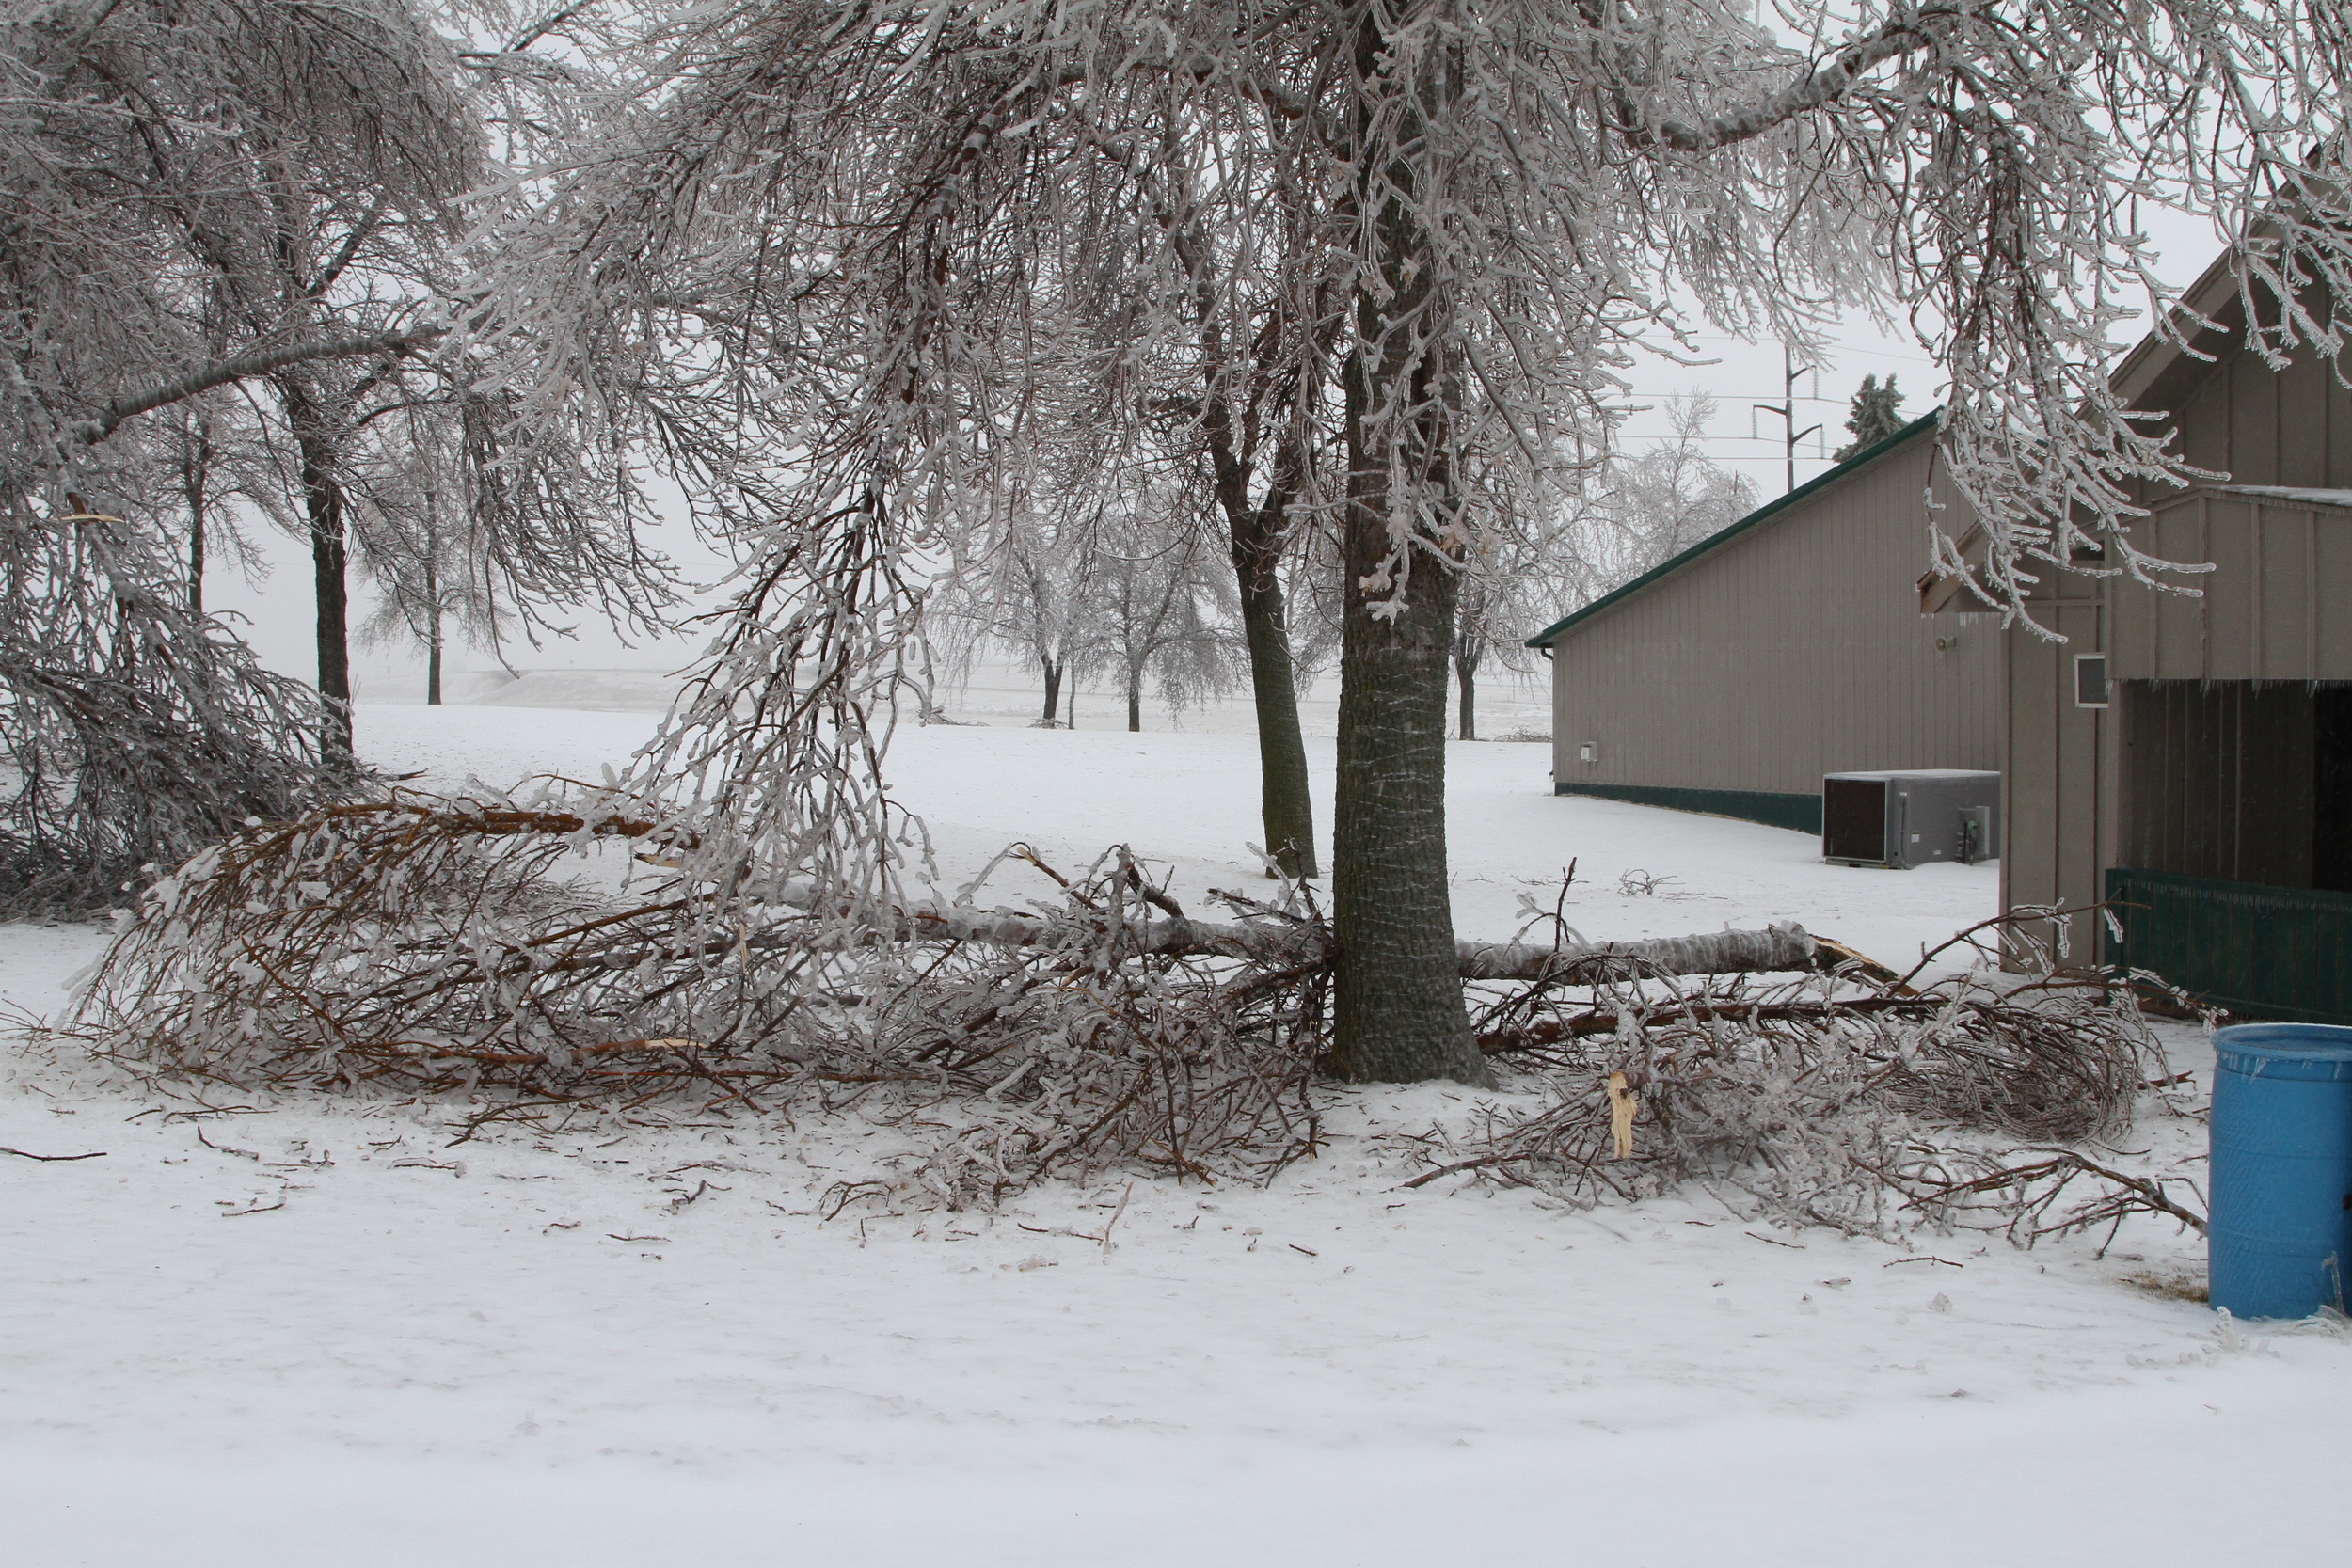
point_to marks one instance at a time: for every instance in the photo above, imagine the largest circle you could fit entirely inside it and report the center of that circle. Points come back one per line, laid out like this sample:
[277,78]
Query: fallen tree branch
[2033,1190]
[1591,1026]
[1776,949]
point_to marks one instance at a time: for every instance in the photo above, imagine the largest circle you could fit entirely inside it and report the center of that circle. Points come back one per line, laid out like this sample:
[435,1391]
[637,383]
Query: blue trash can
[2280,1243]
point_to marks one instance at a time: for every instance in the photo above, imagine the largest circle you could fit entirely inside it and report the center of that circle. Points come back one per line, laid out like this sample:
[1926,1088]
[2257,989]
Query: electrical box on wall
[1902,820]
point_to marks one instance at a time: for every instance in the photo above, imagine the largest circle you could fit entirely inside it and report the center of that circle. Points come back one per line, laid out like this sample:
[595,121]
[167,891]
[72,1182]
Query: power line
[1836,348]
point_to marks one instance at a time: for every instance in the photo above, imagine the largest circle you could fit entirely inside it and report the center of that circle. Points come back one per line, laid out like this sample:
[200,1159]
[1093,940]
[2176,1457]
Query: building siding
[2050,836]
[1719,678]
[2263,613]
[2084,789]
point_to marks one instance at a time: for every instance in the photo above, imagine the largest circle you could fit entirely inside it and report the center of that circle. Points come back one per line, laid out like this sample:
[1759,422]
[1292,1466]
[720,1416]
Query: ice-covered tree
[1158,601]
[1031,592]
[199,201]
[1638,509]
[1233,287]
[832,246]
[136,729]
[216,459]
[1514,581]
[329,249]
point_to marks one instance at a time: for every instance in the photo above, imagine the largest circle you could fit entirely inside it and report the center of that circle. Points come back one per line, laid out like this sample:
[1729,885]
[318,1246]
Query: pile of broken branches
[468,949]
[1853,1098]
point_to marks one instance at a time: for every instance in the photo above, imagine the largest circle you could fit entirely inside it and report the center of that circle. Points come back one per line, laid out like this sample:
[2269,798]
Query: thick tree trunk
[1398,999]
[1466,678]
[1053,688]
[1134,699]
[1397,992]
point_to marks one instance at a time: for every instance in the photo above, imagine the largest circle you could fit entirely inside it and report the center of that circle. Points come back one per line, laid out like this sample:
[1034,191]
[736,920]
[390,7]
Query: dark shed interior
[2239,781]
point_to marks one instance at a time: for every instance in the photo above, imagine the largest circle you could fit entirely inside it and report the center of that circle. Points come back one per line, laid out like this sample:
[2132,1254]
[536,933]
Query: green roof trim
[1763,514]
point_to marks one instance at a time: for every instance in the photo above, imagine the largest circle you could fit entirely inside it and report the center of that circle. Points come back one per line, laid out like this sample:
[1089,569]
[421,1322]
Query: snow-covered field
[1190,801]
[316,1332]
[996,693]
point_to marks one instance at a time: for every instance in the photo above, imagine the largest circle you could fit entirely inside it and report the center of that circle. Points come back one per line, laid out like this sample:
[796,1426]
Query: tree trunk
[1466,678]
[322,500]
[1053,688]
[1288,808]
[1256,535]
[323,504]
[1398,997]
[432,631]
[1134,700]
[195,482]
[196,557]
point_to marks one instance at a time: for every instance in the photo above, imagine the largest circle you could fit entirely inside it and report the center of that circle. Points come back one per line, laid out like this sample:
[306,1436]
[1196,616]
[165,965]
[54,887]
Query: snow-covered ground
[1189,802]
[317,1332]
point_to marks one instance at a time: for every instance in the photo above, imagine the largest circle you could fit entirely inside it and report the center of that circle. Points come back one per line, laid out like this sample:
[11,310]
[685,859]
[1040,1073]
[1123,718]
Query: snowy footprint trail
[316,1330]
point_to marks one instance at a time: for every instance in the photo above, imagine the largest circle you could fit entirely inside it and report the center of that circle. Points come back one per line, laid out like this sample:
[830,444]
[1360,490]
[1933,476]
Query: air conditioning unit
[1902,820]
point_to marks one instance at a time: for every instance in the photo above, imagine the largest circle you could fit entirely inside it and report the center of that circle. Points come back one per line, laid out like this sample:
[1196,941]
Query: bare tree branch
[245,366]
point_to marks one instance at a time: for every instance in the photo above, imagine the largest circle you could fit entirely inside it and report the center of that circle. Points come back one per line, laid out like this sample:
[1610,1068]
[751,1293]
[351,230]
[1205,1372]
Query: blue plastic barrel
[2280,1243]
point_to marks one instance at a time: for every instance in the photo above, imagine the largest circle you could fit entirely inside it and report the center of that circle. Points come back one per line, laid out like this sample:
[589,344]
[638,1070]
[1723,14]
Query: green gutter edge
[1798,813]
[1770,509]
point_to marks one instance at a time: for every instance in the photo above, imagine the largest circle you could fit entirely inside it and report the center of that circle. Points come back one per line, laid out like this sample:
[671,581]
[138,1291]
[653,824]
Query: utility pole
[1787,407]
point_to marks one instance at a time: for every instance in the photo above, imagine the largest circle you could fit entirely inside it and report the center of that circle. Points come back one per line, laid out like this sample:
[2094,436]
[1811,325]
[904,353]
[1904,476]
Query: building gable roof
[1868,455]
[2162,367]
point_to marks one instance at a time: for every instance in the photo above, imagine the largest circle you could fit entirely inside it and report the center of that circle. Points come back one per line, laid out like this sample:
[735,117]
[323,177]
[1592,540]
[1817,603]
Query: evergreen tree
[1877,414]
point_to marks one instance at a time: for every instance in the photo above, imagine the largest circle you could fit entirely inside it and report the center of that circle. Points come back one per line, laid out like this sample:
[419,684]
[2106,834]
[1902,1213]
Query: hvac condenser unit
[1905,819]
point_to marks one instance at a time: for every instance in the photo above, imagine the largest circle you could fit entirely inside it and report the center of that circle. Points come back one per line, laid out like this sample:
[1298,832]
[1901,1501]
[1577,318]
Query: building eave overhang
[2275,494]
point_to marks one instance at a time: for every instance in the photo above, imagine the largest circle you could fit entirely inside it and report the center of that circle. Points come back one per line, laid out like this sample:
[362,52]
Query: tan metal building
[2189,759]
[1785,647]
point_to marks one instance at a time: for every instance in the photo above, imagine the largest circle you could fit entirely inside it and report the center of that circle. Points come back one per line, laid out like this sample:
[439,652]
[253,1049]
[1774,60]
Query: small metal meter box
[1902,820]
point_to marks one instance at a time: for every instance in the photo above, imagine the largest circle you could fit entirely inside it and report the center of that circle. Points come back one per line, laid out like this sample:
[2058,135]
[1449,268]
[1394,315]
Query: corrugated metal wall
[1795,650]
[2271,609]
[2051,804]
[2263,426]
